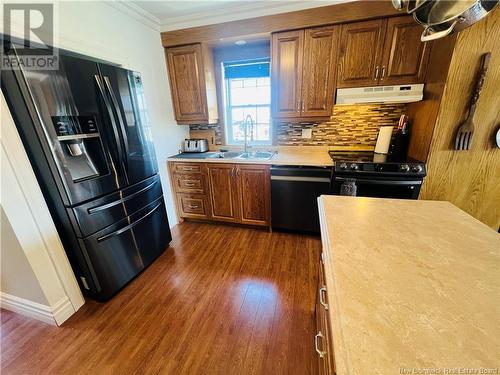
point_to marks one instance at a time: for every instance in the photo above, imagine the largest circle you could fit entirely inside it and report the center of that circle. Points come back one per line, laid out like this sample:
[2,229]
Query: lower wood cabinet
[254,191]
[323,344]
[223,192]
[235,193]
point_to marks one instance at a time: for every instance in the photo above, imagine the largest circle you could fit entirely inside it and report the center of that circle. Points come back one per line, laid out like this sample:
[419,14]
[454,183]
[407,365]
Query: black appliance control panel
[75,126]
[416,169]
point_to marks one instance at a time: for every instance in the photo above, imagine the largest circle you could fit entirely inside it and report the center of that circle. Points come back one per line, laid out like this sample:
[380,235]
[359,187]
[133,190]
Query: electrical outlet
[307,133]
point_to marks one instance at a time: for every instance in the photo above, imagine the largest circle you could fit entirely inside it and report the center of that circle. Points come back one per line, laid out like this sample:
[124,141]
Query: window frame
[228,121]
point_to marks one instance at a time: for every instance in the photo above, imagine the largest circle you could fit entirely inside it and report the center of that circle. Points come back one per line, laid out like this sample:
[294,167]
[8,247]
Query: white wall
[26,211]
[13,263]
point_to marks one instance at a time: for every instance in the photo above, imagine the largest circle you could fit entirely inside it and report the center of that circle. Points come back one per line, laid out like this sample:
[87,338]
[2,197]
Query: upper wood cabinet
[286,73]
[360,53]
[192,84]
[320,69]
[304,72]
[382,52]
[405,57]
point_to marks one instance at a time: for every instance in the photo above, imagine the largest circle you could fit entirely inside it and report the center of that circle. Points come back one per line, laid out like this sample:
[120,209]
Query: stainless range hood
[381,94]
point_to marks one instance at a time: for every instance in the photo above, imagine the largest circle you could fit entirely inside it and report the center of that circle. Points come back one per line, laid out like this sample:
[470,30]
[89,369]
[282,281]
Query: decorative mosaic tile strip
[350,125]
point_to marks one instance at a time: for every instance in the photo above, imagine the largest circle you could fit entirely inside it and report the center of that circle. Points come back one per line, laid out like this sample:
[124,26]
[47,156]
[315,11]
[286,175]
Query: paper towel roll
[383,139]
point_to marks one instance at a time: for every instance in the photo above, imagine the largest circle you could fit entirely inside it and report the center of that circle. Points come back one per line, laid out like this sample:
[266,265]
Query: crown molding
[239,12]
[137,13]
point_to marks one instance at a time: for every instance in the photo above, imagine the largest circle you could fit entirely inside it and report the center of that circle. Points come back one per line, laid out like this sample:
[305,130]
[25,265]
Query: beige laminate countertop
[309,156]
[413,286]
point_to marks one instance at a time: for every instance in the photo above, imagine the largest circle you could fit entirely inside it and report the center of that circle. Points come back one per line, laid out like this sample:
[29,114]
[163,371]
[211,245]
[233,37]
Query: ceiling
[173,15]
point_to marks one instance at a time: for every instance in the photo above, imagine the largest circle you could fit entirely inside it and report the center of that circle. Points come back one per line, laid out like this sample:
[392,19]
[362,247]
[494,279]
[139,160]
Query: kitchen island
[411,287]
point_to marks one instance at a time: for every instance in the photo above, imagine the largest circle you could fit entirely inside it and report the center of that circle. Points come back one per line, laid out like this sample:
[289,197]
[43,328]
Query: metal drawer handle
[376,73]
[193,206]
[130,226]
[190,183]
[119,201]
[322,292]
[316,346]
[383,73]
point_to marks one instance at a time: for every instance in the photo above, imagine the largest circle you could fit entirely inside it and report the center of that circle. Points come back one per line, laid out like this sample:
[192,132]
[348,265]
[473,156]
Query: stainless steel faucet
[248,119]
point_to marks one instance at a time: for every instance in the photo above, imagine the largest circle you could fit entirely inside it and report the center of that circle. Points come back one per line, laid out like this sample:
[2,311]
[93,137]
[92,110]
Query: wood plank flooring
[220,300]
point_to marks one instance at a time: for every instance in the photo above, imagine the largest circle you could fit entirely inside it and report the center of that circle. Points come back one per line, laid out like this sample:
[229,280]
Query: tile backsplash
[350,125]
[215,127]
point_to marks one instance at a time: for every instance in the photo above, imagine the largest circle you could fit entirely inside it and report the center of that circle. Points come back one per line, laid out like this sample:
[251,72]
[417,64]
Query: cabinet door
[254,194]
[187,83]
[360,53]
[223,191]
[405,57]
[287,54]
[320,69]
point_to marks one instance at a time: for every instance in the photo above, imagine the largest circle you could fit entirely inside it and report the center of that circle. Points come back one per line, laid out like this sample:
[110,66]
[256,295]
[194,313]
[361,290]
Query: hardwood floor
[220,300]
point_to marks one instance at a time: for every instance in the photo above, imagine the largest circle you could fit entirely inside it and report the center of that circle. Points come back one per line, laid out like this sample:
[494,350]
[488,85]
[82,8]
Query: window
[247,93]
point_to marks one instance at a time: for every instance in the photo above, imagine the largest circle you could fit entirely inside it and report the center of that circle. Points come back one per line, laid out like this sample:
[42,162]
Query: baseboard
[62,310]
[54,315]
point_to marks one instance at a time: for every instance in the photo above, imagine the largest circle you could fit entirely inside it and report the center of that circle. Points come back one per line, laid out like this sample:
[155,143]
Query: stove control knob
[404,167]
[354,167]
[416,168]
[343,166]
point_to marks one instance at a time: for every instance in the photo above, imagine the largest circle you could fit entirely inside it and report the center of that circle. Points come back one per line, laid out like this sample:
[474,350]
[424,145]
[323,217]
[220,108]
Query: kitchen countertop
[295,155]
[413,285]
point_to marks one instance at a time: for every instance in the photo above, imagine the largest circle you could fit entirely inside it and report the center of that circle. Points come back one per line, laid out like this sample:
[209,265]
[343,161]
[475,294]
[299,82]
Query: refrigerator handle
[111,117]
[129,226]
[119,116]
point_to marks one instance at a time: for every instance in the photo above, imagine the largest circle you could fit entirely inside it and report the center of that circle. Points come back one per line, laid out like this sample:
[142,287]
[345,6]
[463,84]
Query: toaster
[195,145]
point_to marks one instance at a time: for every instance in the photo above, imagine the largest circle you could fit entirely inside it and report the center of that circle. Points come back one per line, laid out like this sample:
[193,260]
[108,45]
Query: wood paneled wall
[469,179]
[423,114]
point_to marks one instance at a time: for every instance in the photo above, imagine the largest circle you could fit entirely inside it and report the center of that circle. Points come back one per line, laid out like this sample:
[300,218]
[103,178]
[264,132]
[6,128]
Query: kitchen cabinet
[323,344]
[253,182]
[226,192]
[286,73]
[360,53]
[382,52]
[223,191]
[192,84]
[189,182]
[320,69]
[405,57]
[304,72]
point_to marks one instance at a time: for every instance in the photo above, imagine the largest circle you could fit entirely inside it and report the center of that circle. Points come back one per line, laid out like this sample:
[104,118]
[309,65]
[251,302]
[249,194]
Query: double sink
[229,155]
[257,155]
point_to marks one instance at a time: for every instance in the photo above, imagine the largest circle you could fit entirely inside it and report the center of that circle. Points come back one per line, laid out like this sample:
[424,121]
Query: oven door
[381,187]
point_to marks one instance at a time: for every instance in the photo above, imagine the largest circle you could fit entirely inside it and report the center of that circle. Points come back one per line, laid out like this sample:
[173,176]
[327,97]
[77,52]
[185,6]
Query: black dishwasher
[294,194]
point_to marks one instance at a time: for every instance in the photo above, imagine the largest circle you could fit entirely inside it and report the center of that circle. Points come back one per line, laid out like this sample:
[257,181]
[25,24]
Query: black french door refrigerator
[85,128]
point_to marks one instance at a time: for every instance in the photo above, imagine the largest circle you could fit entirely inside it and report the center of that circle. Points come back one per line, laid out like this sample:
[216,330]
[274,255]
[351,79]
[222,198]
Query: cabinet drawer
[192,205]
[190,183]
[187,167]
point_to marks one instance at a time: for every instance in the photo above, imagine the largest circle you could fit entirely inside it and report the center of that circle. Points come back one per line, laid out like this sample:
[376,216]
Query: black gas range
[376,175]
